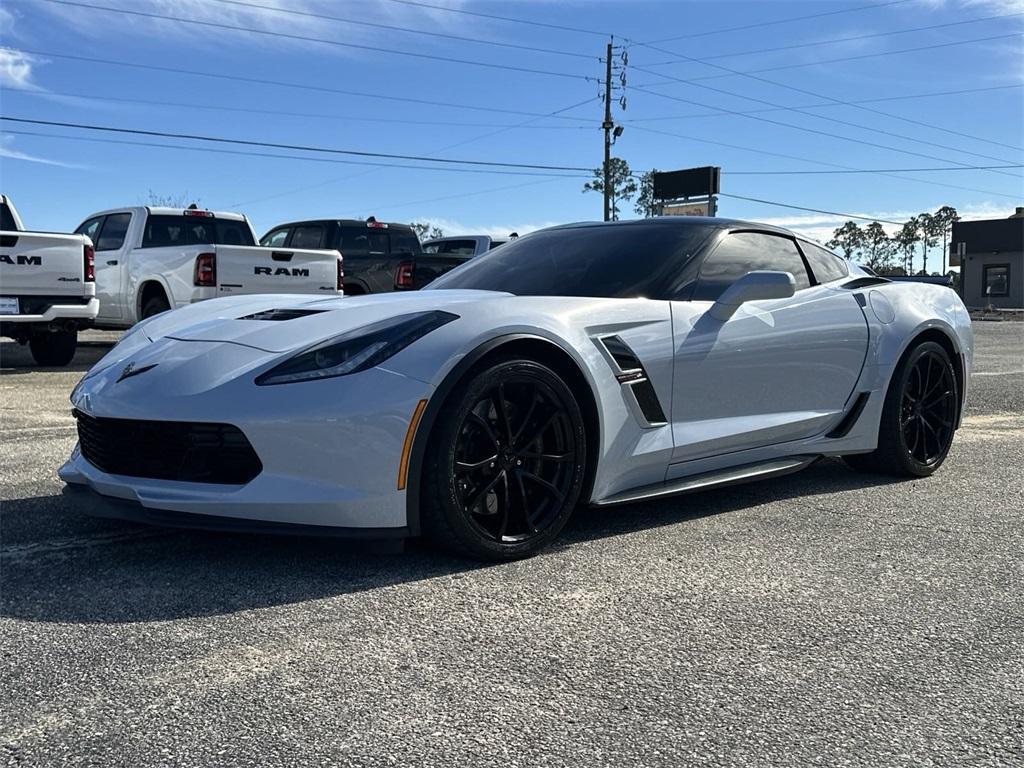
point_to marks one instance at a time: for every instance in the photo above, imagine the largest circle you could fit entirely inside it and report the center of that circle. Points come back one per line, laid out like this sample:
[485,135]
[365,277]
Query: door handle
[112,262]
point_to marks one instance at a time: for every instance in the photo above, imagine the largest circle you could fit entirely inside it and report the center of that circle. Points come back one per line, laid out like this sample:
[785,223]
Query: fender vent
[631,374]
[843,428]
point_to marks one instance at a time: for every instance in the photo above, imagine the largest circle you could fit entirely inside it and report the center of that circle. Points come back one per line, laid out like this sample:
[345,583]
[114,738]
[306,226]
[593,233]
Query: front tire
[918,417]
[53,349]
[505,465]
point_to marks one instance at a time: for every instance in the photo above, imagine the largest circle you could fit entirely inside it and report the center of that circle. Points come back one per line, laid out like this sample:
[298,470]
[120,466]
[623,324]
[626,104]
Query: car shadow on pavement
[59,566]
[17,359]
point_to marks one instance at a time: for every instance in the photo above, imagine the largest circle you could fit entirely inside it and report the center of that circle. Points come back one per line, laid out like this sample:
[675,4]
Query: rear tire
[53,350]
[918,418]
[505,465]
[154,306]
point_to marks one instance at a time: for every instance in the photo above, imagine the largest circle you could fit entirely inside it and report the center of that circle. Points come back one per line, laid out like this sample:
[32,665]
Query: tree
[426,231]
[849,239]
[929,231]
[169,201]
[946,216]
[646,205]
[878,248]
[623,184]
[906,240]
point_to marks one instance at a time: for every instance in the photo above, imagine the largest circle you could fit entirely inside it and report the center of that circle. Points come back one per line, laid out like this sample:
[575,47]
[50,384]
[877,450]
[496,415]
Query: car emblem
[130,370]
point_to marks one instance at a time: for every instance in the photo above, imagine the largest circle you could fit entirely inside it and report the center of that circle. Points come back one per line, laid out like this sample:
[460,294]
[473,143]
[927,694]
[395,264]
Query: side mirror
[753,286]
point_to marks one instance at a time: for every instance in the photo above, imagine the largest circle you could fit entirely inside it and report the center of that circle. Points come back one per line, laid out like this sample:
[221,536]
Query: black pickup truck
[376,254]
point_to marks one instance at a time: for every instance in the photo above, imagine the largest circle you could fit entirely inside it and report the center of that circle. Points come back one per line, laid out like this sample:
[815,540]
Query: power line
[284,113]
[857,102]
[494,17]
[859,57]
[277,156]
[293,147]
[410,30]
[870,170]
[323,41]
[288,84]
[775,22]
[747,148]
[815,131]
[830,41]
[755,77]
[812,210]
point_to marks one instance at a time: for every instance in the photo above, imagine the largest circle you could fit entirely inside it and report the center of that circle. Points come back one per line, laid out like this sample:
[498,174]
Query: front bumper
[330,449]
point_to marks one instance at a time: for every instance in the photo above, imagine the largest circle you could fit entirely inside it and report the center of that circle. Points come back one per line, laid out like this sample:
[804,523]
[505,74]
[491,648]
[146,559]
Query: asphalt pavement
[825,618]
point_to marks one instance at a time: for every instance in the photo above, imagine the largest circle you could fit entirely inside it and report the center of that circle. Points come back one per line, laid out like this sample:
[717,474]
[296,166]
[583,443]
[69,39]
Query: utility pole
[608,125]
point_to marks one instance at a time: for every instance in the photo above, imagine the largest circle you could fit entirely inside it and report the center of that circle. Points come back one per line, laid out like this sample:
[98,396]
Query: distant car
[374,251]
[467,246]
[442,255]
[47,288]
[602,363]
[150,260]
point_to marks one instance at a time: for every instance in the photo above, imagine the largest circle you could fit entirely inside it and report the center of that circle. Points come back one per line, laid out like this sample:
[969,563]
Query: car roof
[342,222]
[683,221]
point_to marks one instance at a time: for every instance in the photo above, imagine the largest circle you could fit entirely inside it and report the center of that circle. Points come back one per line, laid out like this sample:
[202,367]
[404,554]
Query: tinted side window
[459,247]
[7,219]
[276,238]
[825,265]
[404,242]
[308,236]
[378,243]
[232,232]
[115,227]
[89,228]
[745,252]
[164,231]
[353,240]
[431,247]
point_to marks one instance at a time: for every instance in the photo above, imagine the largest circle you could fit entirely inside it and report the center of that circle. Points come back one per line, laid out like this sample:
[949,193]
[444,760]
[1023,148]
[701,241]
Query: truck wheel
[154,306]
[53,350]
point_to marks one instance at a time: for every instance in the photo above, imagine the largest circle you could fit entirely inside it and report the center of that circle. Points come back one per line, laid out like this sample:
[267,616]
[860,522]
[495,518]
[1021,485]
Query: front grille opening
[195,452]
[282,314]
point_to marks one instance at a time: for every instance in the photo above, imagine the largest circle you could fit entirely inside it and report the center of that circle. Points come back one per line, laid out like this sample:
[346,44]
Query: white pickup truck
[149,260]
[47,292]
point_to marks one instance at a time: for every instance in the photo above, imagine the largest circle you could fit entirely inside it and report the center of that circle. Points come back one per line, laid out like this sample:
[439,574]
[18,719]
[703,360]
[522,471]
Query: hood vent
[282,314]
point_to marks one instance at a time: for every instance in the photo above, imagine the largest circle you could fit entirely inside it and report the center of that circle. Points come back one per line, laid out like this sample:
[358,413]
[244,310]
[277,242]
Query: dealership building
[991,260]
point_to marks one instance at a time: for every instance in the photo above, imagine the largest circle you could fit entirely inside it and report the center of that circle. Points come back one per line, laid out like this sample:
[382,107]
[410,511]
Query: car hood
[302,320]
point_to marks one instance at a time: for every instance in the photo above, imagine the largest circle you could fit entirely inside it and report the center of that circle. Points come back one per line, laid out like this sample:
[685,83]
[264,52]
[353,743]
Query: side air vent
[843,428]
[282,314]
[631,374]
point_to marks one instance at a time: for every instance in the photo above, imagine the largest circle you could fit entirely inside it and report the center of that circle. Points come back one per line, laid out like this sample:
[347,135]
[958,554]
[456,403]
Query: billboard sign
[687,209]
[690,182]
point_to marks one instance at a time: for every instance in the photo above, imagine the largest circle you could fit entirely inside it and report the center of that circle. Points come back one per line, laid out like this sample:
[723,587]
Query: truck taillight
[89,263]
[341,274]
[205,274]
[404,275]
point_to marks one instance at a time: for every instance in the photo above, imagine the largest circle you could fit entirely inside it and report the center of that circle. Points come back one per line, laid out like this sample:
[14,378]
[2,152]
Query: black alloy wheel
[508,463]
[928,409]
[918,418]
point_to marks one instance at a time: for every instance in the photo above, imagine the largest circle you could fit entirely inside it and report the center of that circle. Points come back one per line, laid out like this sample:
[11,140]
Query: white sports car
[594,363]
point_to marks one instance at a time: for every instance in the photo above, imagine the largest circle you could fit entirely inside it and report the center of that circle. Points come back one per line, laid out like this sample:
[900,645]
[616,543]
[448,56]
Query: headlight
[356,350]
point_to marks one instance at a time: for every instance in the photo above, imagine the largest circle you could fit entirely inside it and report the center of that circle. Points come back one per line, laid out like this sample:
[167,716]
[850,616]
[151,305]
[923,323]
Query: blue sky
[56,182]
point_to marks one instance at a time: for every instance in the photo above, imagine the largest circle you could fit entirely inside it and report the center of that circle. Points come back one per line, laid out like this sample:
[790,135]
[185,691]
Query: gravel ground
[825,618]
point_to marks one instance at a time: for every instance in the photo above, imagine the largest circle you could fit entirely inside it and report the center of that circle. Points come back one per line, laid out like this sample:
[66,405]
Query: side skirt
[731,476]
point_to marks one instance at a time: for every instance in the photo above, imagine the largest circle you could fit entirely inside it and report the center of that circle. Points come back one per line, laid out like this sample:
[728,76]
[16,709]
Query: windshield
[618,261]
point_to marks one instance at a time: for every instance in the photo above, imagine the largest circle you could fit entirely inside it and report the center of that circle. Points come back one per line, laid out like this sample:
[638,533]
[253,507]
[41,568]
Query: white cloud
[454,228]
[16,69]
[8,151]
